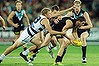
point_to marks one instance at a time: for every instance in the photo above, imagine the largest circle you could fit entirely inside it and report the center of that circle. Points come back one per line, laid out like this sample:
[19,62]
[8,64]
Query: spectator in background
[31,6]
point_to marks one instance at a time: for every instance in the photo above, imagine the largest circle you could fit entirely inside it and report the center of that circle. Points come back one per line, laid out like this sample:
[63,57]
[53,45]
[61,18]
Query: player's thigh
[36,41]
[60,41]
[69,24]
[65,42]
[68,42]
[84,36]
[53,41]
[48,38]
[17,43]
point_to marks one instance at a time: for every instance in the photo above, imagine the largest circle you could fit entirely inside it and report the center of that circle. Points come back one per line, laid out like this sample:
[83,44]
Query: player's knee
[84,43]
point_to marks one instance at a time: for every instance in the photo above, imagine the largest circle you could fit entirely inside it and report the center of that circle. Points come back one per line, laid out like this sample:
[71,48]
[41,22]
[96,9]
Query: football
[77,43]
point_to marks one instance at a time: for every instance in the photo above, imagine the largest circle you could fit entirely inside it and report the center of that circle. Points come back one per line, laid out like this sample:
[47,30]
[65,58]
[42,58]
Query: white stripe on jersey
[36,25]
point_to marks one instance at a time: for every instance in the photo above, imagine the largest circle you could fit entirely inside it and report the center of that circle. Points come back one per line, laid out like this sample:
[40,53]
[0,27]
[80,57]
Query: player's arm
[25,15]
[9,19]
[65,11]
[45,22]
[69,14]
[88,21]
[40,36]
[74,33]
[66,27]
[62,12]
[3,22]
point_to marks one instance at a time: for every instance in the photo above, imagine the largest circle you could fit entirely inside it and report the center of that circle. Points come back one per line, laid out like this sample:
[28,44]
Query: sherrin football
[77,43]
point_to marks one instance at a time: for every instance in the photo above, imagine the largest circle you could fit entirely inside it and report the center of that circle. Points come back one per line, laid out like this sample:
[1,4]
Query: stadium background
[33,7]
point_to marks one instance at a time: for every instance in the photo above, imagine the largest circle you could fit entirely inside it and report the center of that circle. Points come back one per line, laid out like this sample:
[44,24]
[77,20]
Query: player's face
[18,6]
[77,7]
[48,15]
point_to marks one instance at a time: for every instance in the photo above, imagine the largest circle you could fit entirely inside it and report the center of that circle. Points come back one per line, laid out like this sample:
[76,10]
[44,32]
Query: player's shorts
[17,30]
[80,31]
[25,37]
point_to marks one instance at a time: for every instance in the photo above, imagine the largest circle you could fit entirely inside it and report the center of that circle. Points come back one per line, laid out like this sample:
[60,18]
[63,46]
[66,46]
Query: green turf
[72,58]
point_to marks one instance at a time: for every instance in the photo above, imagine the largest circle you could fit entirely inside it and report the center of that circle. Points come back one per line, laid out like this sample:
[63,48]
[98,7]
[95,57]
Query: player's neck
[18,10]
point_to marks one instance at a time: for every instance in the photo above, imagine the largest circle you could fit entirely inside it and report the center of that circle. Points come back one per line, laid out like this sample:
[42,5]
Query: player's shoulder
[45,20]
[12,12]
[23,10]
[69,14]
[86,13]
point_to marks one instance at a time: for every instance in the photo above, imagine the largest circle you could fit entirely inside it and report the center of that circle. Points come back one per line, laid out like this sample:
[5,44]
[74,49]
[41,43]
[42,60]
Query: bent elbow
[91,26]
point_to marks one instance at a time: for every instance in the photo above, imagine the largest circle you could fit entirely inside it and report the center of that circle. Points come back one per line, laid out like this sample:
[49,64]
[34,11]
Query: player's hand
[56,21]
[82,27]
[4,28]
[16,25]
[63,33]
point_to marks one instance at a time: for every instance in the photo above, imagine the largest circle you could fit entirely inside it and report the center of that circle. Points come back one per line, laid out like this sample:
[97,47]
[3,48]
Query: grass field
[72,58]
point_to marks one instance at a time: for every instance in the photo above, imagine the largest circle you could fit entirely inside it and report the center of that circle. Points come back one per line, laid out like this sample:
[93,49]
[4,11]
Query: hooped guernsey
[33,29]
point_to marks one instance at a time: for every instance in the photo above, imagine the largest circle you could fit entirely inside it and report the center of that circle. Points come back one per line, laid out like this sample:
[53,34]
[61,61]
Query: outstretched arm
[62,12]
[45,22]
[88,21]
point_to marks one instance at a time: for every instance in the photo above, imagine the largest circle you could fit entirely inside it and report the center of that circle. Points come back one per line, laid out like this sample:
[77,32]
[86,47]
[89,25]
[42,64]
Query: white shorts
[25,37]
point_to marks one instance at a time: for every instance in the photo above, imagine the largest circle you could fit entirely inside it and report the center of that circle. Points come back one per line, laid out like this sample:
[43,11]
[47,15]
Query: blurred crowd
[33,8]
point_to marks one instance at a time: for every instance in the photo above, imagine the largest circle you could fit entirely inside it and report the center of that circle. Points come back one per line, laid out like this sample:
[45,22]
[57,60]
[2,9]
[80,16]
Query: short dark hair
[55,7]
